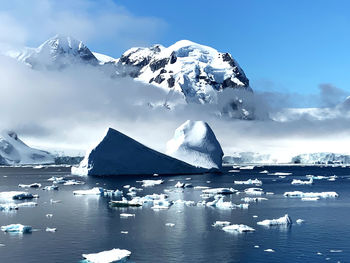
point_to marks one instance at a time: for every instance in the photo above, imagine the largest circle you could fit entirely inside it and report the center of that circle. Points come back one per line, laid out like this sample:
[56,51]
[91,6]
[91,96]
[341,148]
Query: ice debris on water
[284,220]
[50,187]
[34,185]
[16,228]
[149,183]
[269,250]
[222,191]
[93,191]
[108,256]
[221,223]
[254,191]
[302,182]
[249,182]
[125,215]
[311,194]
[170,224]
[16,195]
[253,199]
[299,221]
[238,228]
[48,229]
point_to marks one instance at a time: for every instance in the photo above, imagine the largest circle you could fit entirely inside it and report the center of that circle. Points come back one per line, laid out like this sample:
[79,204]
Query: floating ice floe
[73,182]
[161,204]
[234,171]
[124,232]
[48,229]
[280,173]
[201,187]
[254,191]
[149,183]
[253,199]
[299,221]
[170,224]
[302,182]
[93,191]
[112,193]
[332,178]
[127,186]
[179,185]
[50,187]
[49,215]
[238,228]
[311,194]
[57,180]
[27,204]
[34,185]
[125,215]
[264,172]
[221,223]
[222,191]
[249,167]
[16,228]
[269,250]
[134,189]
[16,195]
[125,203]
[221,204]
[284,220]
[318,177]
[108,256]
[249,182]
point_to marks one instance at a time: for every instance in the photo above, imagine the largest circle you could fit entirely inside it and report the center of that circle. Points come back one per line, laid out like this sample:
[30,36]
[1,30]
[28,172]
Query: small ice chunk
[222,191]
[201,187]
[264,172]
[73,182]
[124,232]
[161,204]
[221,223]
[149,183]
[335,250]
[302,182]
[49,215]
[310,198]
[249,182]
[254,191]
[48,229]
[299,221]
[238,228]
[269,250]
[255,216]
[108,256]
[179,185]
[127,186]
[16,195]
[170,224]
[284,220]
[93,191]
[256,246]
[27,204]
[17,228]
[8,207]
[125,215]
[234,171]
[34,185]
[253,199]
[50,187]
[249,167]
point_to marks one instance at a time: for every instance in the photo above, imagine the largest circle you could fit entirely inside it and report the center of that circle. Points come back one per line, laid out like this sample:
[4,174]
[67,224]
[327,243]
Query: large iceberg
[118,154]
[194,142]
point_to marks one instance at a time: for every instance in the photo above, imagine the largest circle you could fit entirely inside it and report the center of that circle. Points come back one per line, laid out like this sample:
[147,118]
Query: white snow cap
[194,142]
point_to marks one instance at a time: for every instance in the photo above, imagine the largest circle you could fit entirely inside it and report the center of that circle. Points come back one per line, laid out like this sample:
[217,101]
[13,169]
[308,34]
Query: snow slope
[118,154]
[13,151]
[194,142]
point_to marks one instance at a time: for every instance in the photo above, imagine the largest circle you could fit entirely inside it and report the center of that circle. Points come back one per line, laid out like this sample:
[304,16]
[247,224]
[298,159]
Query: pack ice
[118,154]
[194,142]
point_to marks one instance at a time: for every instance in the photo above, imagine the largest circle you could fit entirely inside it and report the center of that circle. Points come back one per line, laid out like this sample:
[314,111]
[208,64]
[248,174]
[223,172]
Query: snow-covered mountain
[56,53]
[322,158]
[196,72]
[13,151]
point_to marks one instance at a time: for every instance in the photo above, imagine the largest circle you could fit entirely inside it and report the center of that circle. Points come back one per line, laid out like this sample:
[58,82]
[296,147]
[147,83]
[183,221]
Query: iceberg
[249,181]
[16,228]
[195,143]
[221,223]
[222,191]
[118,154]
[238,228]
[284,220]
[302,182]
[93,191]
[48,229]
[270,250]
[253,199]
[50,187]
[179,185]
[125,203]
[16,195]
[311,194]
[108,256]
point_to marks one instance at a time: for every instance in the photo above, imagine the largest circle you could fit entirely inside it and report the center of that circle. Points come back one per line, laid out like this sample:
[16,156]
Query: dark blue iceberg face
[118,154]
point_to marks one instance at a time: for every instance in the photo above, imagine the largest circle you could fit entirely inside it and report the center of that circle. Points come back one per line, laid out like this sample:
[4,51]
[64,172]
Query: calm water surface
[86,224]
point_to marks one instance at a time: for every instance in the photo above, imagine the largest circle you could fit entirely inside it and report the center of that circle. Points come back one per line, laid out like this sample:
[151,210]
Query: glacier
[195,143]
[118,154]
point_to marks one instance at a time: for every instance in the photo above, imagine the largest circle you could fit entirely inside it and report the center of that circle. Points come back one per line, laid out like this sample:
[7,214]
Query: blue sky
[282,45]
[285,46]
